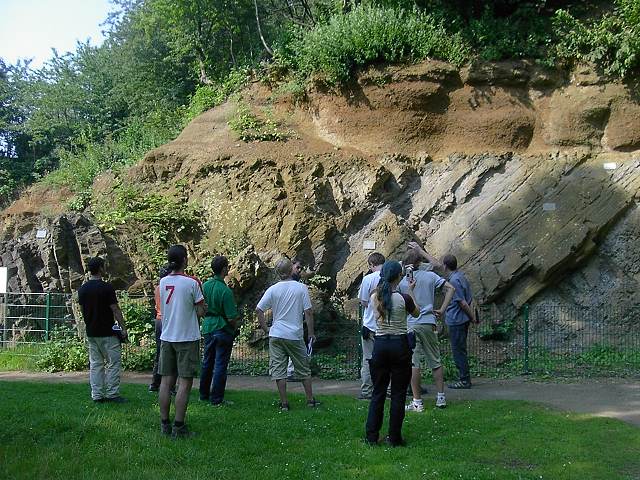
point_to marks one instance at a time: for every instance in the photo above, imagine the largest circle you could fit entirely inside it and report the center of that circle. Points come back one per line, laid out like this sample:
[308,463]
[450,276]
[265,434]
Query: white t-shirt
[287,300]
[179,295]
[368,286]
[424,293]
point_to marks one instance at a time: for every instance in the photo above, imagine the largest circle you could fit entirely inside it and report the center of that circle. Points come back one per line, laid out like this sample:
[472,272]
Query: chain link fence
[545,340]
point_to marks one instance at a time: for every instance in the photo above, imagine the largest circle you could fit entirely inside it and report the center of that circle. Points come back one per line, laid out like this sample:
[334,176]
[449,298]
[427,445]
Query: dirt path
[612,398]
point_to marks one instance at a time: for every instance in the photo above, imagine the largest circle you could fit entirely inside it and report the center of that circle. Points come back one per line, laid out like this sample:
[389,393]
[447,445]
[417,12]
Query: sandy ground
[614,398]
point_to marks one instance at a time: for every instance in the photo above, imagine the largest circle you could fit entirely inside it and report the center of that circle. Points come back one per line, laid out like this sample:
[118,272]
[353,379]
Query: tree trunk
[266,47]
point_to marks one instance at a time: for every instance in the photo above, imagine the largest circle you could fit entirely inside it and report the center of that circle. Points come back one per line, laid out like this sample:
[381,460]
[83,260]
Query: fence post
[47,313]
[525,314]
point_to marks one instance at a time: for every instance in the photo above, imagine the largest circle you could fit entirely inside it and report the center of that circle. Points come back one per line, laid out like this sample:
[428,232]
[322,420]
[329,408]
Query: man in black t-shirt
[99,310]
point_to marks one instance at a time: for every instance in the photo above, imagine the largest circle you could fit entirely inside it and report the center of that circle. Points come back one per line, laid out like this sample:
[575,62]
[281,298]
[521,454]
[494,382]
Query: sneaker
[223,403]
[117,399]
[154,388]
[181,432]
[165,429]
[459,385]
[313,403]
[371,443]
[400,443]
[441,401]
[363,396]
[98,400]
[414,407]
[284,407]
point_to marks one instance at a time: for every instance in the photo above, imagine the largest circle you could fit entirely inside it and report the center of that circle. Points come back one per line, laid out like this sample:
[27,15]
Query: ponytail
[391,270]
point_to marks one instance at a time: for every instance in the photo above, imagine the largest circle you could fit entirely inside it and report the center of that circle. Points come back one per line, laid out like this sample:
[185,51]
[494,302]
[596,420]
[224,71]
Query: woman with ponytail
[391,359]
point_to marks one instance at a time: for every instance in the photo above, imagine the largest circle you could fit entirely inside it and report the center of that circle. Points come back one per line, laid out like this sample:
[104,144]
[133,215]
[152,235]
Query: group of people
[181,301]
[399,330]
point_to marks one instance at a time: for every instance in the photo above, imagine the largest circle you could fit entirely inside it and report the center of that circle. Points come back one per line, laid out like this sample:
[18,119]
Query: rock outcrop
[530,177]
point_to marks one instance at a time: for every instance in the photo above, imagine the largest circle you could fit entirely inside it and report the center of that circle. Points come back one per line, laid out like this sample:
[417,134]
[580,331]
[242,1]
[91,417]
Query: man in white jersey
[287,300]
[424,326]
[368,286]
[181,303]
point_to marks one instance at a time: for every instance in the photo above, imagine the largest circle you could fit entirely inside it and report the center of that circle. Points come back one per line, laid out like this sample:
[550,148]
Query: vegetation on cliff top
[164,61]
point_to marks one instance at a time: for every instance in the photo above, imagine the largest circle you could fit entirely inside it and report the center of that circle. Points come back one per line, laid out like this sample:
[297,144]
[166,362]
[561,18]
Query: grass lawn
[22,357]
[51,431]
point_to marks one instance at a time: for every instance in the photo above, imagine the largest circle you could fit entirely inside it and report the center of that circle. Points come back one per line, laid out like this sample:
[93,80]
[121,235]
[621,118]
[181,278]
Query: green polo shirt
[221,305]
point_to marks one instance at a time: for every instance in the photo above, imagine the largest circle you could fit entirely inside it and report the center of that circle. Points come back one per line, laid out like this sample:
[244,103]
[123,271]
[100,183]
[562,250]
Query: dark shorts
[180,359]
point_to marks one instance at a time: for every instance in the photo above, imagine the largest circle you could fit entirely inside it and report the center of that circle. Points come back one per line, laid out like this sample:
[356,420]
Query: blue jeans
[217,352]
[458,337]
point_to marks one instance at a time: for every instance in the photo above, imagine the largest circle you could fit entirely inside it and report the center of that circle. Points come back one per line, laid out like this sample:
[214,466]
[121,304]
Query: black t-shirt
[95,298]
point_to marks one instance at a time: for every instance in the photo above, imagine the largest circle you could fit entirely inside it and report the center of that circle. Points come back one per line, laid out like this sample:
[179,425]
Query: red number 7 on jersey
[170,289]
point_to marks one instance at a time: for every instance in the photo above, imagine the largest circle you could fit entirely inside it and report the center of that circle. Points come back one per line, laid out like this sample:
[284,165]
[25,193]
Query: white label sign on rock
[3,279]
[41,233]
[610,166]
[369,245]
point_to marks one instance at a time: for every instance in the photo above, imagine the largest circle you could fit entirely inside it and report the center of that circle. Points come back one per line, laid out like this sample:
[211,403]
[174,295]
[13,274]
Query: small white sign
[548,207]
[369,245]
[3,279]
[610,166]
[41,233]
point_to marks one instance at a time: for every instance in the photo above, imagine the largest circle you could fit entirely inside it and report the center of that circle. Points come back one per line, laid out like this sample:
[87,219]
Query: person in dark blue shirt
[458,316]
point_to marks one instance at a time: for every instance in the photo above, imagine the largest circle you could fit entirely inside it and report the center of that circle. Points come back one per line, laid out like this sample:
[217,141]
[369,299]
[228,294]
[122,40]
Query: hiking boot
[313,403]
[223,403]
[441,401]
[414,407]
[284,407]
[154,388]
[181,432]
[117,399]
[459,385]
[98,400]
[165,429]
[363,396]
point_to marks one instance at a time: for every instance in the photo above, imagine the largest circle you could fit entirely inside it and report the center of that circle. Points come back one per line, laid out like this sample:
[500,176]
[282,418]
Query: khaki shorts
[180,359]
[280,351]
[427,346]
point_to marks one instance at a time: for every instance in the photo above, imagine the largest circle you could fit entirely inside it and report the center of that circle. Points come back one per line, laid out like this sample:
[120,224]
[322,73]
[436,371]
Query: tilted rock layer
[531,178]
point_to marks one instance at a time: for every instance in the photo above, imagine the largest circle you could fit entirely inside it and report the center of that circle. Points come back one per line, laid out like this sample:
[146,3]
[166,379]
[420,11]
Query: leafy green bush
[80,165]
[209,96]
[157,221]
[251,128]
[64,352]
[524,34]
[368,35]
[138,358]
[138,317]
[612,42]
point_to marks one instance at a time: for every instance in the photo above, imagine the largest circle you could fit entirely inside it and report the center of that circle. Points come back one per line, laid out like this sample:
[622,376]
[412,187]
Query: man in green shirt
[218,330]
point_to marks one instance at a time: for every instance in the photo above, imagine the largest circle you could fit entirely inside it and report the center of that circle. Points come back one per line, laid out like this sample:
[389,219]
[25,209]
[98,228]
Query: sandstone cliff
[530,177]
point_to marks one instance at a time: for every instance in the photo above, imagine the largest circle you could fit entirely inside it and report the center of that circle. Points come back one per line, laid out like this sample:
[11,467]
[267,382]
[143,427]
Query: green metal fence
[542,339]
